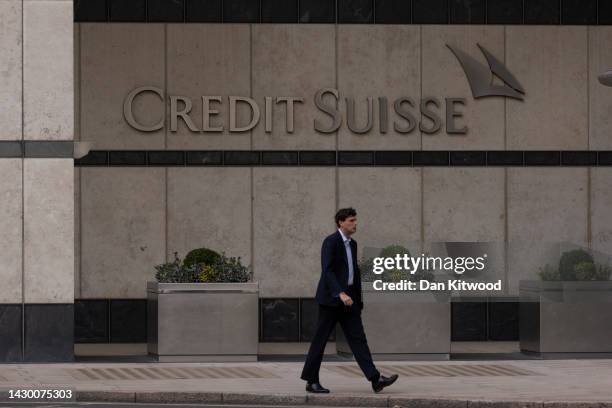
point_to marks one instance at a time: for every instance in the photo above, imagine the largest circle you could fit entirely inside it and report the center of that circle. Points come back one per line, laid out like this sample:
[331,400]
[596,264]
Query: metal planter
[195,322]
[404,325]
[565,317]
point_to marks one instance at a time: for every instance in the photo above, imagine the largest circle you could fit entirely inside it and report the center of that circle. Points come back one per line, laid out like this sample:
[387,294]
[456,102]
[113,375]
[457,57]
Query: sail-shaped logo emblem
[480,77]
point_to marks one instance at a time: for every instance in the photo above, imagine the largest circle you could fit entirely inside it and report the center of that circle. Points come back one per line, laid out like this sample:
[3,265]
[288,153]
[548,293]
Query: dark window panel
[49,332]
[503,321]
[468,321]
[317,11]
[467,11]
[90,10]
[241,11]
[542,158]
[204,158]
[241,158]
[279,158]
[124,10]
[166,158]
[393,158]
[504,11]
[542,12]
[604,158]
[127,158]
[128,320]
[430,11]
[505,158]
[579,11]
[91,321]
[10,332]
[393,11]
[604,13]
[280,320]
[166,10]
[355,11]
[318,158]
[203,11]
[309,314]
[279,11]
[430,158]
[93,158]
[356,158]
[578,158]
[466,158]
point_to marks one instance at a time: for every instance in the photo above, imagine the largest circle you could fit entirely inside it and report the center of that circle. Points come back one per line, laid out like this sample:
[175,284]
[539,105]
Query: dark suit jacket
[334,272]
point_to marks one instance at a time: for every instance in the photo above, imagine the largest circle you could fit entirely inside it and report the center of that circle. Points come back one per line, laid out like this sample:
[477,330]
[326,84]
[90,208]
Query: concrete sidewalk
[509,383]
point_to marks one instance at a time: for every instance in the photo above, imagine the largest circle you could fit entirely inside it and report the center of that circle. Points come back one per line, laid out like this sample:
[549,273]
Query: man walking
[340,300]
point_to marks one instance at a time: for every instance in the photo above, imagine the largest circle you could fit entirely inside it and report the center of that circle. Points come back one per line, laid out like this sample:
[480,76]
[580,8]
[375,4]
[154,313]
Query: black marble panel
[430,11]
[604,158]
[504,158]
[393,11]
[542,158]
[318,158]
[504,11]
[467,158]
[90,10]
[279,11]
[203,11]
[49,332]
[393,158]
[430,158]
[204,158]
[467,11]
[604,13]
[241,11]
[10,332]
[578,158]
[309,315]
[166,158]
[503,321]
[93,158]
[280,320]
[165,10]
[355,158]
[11,148]
[124,11]
[469,321]
[91,321]
[127,158]
[279,158]
[241,158]
[48,148]
[355,11]
[542,12]
[579,11]
[128,320]
[317,11]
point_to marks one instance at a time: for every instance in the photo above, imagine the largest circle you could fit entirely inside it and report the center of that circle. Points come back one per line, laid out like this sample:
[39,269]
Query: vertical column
[10,183]
[48,181]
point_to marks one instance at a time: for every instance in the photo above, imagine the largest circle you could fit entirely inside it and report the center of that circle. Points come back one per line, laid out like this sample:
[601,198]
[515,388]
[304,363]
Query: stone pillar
[37,187]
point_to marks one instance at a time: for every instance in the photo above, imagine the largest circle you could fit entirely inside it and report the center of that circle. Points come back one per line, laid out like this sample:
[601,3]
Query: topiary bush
[568,262]
[201,256]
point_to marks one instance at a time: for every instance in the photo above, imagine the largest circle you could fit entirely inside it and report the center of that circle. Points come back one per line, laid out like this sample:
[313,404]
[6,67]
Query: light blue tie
[349,255]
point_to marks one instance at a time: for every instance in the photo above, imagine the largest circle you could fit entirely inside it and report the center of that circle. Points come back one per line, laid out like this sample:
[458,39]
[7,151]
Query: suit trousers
[349,318]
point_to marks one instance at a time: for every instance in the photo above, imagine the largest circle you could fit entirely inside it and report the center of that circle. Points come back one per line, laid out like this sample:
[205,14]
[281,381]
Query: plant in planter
[203,308]
[568,309]
[575,265]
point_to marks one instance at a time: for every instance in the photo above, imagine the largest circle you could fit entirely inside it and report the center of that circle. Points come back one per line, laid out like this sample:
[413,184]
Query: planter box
[189,322]
[404,325]
[565,317]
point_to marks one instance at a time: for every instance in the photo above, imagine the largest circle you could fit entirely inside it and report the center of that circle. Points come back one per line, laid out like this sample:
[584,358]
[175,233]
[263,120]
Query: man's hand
[346,299]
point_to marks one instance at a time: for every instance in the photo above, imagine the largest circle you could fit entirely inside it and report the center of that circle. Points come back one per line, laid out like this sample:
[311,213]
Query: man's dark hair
[343,214]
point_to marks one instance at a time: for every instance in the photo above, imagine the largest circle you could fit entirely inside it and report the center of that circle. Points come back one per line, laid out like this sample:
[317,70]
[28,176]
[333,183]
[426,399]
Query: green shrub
[176,272]
[222,269]
[568,262]
[201,256]
[549,273]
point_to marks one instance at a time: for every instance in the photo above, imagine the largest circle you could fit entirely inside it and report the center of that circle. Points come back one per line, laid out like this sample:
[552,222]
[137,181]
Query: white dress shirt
[349,256]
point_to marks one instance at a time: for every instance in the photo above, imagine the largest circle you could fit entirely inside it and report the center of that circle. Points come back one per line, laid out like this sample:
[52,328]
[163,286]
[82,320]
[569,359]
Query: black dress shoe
[316,387]
[383,382]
